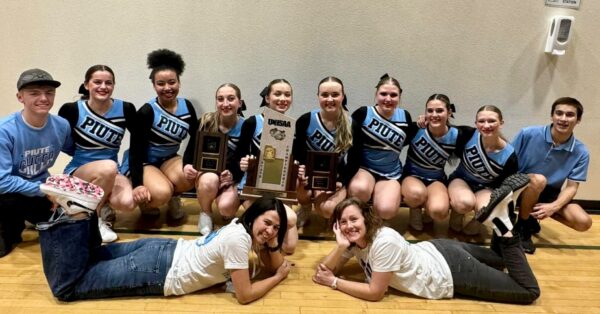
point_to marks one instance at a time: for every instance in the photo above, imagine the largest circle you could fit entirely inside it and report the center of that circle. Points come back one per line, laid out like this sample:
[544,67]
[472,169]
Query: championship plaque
[274,171]
[321,170]
[211,152]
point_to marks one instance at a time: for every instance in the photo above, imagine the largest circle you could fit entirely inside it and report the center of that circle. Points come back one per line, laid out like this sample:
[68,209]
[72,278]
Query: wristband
[334,283]
[272,249]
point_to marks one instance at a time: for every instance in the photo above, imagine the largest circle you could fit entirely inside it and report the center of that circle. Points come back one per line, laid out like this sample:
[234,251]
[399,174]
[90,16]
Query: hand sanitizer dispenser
[559,35]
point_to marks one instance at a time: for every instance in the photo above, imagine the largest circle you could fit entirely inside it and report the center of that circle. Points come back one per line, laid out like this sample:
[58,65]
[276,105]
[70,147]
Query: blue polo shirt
[537,154]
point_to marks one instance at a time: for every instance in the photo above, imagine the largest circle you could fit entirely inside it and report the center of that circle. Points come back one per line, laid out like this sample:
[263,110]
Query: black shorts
[159,162]
[426,181]
[549,195]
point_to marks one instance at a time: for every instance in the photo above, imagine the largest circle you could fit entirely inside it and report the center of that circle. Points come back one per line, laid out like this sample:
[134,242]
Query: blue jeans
[78,267]
[477,271]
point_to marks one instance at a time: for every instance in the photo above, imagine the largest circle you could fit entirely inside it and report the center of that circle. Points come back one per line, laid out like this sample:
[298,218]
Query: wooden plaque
[321,170]
[211,152]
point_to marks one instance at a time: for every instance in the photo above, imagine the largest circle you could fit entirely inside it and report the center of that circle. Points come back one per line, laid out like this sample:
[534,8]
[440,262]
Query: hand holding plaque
[211,152]
[321,170]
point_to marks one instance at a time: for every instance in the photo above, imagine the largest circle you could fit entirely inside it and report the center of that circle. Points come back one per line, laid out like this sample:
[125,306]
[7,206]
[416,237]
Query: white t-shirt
[206,261]
[419,269]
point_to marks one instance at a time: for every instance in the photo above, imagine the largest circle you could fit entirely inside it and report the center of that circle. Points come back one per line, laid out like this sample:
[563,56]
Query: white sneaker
[205,224]
[73,194]
[174,210]
[472,228]
[415,219]
[107,234]
[456,221]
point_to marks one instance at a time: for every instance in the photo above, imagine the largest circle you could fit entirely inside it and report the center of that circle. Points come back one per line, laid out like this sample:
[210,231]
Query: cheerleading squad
[491,178]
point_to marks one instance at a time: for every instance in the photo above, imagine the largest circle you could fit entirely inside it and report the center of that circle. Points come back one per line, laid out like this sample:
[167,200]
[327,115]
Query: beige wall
[477,52]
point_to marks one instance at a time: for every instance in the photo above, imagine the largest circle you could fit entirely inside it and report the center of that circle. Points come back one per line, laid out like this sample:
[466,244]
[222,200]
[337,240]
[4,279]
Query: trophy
[274,171]
[211,152]
[321,170]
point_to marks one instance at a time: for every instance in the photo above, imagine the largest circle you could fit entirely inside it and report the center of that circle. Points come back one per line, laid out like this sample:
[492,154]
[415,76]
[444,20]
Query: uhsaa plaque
[275,171]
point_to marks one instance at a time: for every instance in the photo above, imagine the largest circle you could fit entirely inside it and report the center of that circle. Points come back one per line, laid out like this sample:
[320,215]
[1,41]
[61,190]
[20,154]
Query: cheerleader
[161,125]
[211,187]
[425,183]
[277,96]
[326,129]
[98,123]
[486,159]
[379,132]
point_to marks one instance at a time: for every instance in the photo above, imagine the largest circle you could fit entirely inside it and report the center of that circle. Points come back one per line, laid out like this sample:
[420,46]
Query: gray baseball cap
[36,76]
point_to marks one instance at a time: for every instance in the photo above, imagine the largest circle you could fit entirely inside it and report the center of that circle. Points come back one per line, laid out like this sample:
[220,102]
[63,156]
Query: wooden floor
[567,265]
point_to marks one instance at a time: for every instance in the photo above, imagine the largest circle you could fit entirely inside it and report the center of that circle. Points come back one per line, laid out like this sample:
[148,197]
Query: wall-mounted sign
[571,4]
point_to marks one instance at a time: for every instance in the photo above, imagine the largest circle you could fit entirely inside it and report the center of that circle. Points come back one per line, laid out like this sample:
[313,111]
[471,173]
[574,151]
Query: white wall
[477,52]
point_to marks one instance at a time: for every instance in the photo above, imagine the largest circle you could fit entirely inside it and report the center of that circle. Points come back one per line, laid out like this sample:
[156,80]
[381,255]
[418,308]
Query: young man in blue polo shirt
[551,155]
[30,141]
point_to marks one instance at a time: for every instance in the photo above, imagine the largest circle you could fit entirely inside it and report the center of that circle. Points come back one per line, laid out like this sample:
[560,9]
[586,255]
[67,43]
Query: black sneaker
[495,244]
[517,183]
[5,247]
[527,243]
[533,225]
[522,230]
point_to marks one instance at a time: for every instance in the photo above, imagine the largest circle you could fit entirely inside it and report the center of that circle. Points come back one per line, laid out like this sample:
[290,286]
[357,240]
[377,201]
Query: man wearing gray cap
[30,141]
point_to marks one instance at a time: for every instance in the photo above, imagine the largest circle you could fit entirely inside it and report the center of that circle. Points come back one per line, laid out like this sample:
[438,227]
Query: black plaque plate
[321,170]
[211,152]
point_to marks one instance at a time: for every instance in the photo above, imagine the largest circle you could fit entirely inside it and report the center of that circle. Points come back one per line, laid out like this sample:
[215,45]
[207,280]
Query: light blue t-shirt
[537,154]
[26,152]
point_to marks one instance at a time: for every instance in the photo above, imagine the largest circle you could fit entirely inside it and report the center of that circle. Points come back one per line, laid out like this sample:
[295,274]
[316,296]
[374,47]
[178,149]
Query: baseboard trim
[592,207]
